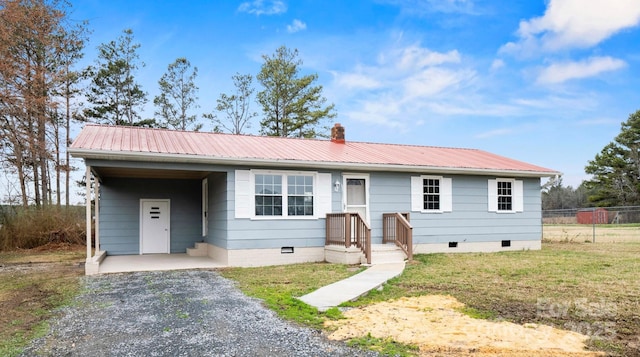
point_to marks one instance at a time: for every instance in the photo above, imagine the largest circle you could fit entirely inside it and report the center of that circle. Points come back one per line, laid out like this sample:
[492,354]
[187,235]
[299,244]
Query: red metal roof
[119,142]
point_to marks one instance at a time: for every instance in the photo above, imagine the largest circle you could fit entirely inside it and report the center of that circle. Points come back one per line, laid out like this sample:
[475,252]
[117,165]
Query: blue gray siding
[270,233]
[469,221]
[120,212]
[218,210]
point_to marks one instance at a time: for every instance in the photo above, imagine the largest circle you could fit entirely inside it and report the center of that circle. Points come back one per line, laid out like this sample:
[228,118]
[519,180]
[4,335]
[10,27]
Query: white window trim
[320,207]
[517,195]
[417,194]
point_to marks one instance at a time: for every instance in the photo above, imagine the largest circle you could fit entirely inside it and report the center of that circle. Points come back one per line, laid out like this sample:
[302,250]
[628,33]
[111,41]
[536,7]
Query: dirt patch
[435,325]
[32,284]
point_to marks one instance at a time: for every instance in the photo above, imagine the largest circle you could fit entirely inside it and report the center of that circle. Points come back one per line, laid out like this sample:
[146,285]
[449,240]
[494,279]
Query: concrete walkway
[353,287]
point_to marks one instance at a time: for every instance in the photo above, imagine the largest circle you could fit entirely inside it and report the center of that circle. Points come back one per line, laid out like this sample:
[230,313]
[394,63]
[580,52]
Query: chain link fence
[598,224]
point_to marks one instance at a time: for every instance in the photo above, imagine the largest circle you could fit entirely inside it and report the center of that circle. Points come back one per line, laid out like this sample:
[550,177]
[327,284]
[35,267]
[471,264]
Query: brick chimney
[337,134]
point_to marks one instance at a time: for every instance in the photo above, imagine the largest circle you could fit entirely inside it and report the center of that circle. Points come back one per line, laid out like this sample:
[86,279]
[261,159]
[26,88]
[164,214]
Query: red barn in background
[597,216]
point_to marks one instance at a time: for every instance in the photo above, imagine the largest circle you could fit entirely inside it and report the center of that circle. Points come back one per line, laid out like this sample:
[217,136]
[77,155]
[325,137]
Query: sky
[545,82]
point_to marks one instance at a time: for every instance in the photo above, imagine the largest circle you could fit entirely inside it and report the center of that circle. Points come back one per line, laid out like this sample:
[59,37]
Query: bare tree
[33,37]
[178,94]
[235,107]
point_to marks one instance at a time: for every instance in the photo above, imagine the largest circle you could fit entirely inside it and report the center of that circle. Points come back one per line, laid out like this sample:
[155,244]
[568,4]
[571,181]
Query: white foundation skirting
[264,257]
[476,247]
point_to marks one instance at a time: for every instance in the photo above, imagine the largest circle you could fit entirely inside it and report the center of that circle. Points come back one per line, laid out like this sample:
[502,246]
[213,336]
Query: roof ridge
[416,145]
[198,132]
[279,137]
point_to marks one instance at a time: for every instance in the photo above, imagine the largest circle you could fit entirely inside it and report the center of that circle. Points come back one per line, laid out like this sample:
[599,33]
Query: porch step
[200,250]
[385,253]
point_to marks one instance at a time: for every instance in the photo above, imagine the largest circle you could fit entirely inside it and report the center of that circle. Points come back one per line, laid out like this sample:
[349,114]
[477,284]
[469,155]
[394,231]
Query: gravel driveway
[176,313]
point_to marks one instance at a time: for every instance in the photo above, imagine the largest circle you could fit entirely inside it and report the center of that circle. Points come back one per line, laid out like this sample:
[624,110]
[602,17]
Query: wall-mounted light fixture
[336,186]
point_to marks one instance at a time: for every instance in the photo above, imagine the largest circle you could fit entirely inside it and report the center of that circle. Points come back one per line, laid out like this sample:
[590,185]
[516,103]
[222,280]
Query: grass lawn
[279,285]
[589,288]
[32,284]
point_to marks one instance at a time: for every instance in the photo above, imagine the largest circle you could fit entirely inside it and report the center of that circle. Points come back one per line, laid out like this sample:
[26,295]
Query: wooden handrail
[397,229]
[347,229]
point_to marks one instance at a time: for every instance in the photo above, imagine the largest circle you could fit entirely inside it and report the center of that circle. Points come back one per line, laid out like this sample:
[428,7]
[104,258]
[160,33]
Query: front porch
[348,239]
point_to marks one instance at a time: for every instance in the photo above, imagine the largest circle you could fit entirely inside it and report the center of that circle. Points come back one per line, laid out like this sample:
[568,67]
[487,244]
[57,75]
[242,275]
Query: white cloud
[262,7]
[464,106]
[434,80]
[401,84]
[574,24]
[598,122]
[296,26]
[558,102]
[494,133]
[415,57]
[497,64]
[356,80]
[422,7]
[561,72]
[385,112]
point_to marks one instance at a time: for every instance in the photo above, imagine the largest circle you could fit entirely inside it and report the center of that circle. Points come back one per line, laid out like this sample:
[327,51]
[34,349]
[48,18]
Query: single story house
[252,200]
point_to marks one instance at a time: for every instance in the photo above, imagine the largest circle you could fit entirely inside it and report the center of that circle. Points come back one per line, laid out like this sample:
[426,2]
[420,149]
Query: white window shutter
[493,196]
[518,196]
[417,193]
[244,194]
[446,195]
[323,198]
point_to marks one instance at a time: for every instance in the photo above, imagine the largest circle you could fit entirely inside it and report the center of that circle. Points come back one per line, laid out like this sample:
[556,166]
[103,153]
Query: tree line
[43,91]
[615,175]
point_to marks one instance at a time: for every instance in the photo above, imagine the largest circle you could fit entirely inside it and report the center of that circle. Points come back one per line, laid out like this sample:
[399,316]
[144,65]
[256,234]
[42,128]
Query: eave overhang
[326,165]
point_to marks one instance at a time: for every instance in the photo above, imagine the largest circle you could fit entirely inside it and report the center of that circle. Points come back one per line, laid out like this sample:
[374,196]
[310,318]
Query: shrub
[26,228]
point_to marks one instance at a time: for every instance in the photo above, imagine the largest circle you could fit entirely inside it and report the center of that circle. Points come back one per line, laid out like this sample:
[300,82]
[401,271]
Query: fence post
[593,221]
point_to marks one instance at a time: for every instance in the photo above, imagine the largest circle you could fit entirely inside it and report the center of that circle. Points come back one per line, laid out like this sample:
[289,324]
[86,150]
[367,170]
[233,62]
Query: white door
[154,226]
[356,195]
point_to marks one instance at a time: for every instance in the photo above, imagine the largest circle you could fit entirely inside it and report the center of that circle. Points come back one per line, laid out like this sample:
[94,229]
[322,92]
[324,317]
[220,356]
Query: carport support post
[88,217]
[96,204]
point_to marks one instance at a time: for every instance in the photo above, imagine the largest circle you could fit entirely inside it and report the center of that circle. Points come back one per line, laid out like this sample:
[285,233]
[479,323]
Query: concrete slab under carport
[155,262]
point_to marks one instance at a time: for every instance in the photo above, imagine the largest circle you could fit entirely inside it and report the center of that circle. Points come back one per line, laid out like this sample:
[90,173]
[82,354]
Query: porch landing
[153,262]
[353,287]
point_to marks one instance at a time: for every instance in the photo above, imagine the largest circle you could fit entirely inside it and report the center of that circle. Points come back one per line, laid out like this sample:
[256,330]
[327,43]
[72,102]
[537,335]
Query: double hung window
[506,195]
[283,195]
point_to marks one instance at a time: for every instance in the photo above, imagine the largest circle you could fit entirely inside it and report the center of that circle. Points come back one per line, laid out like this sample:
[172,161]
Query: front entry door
[154,226]
[356,195]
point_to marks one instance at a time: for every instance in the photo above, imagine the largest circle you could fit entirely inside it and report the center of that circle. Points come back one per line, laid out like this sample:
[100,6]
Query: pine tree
[616,169]
[114,94]
[291,104]
[178,94]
